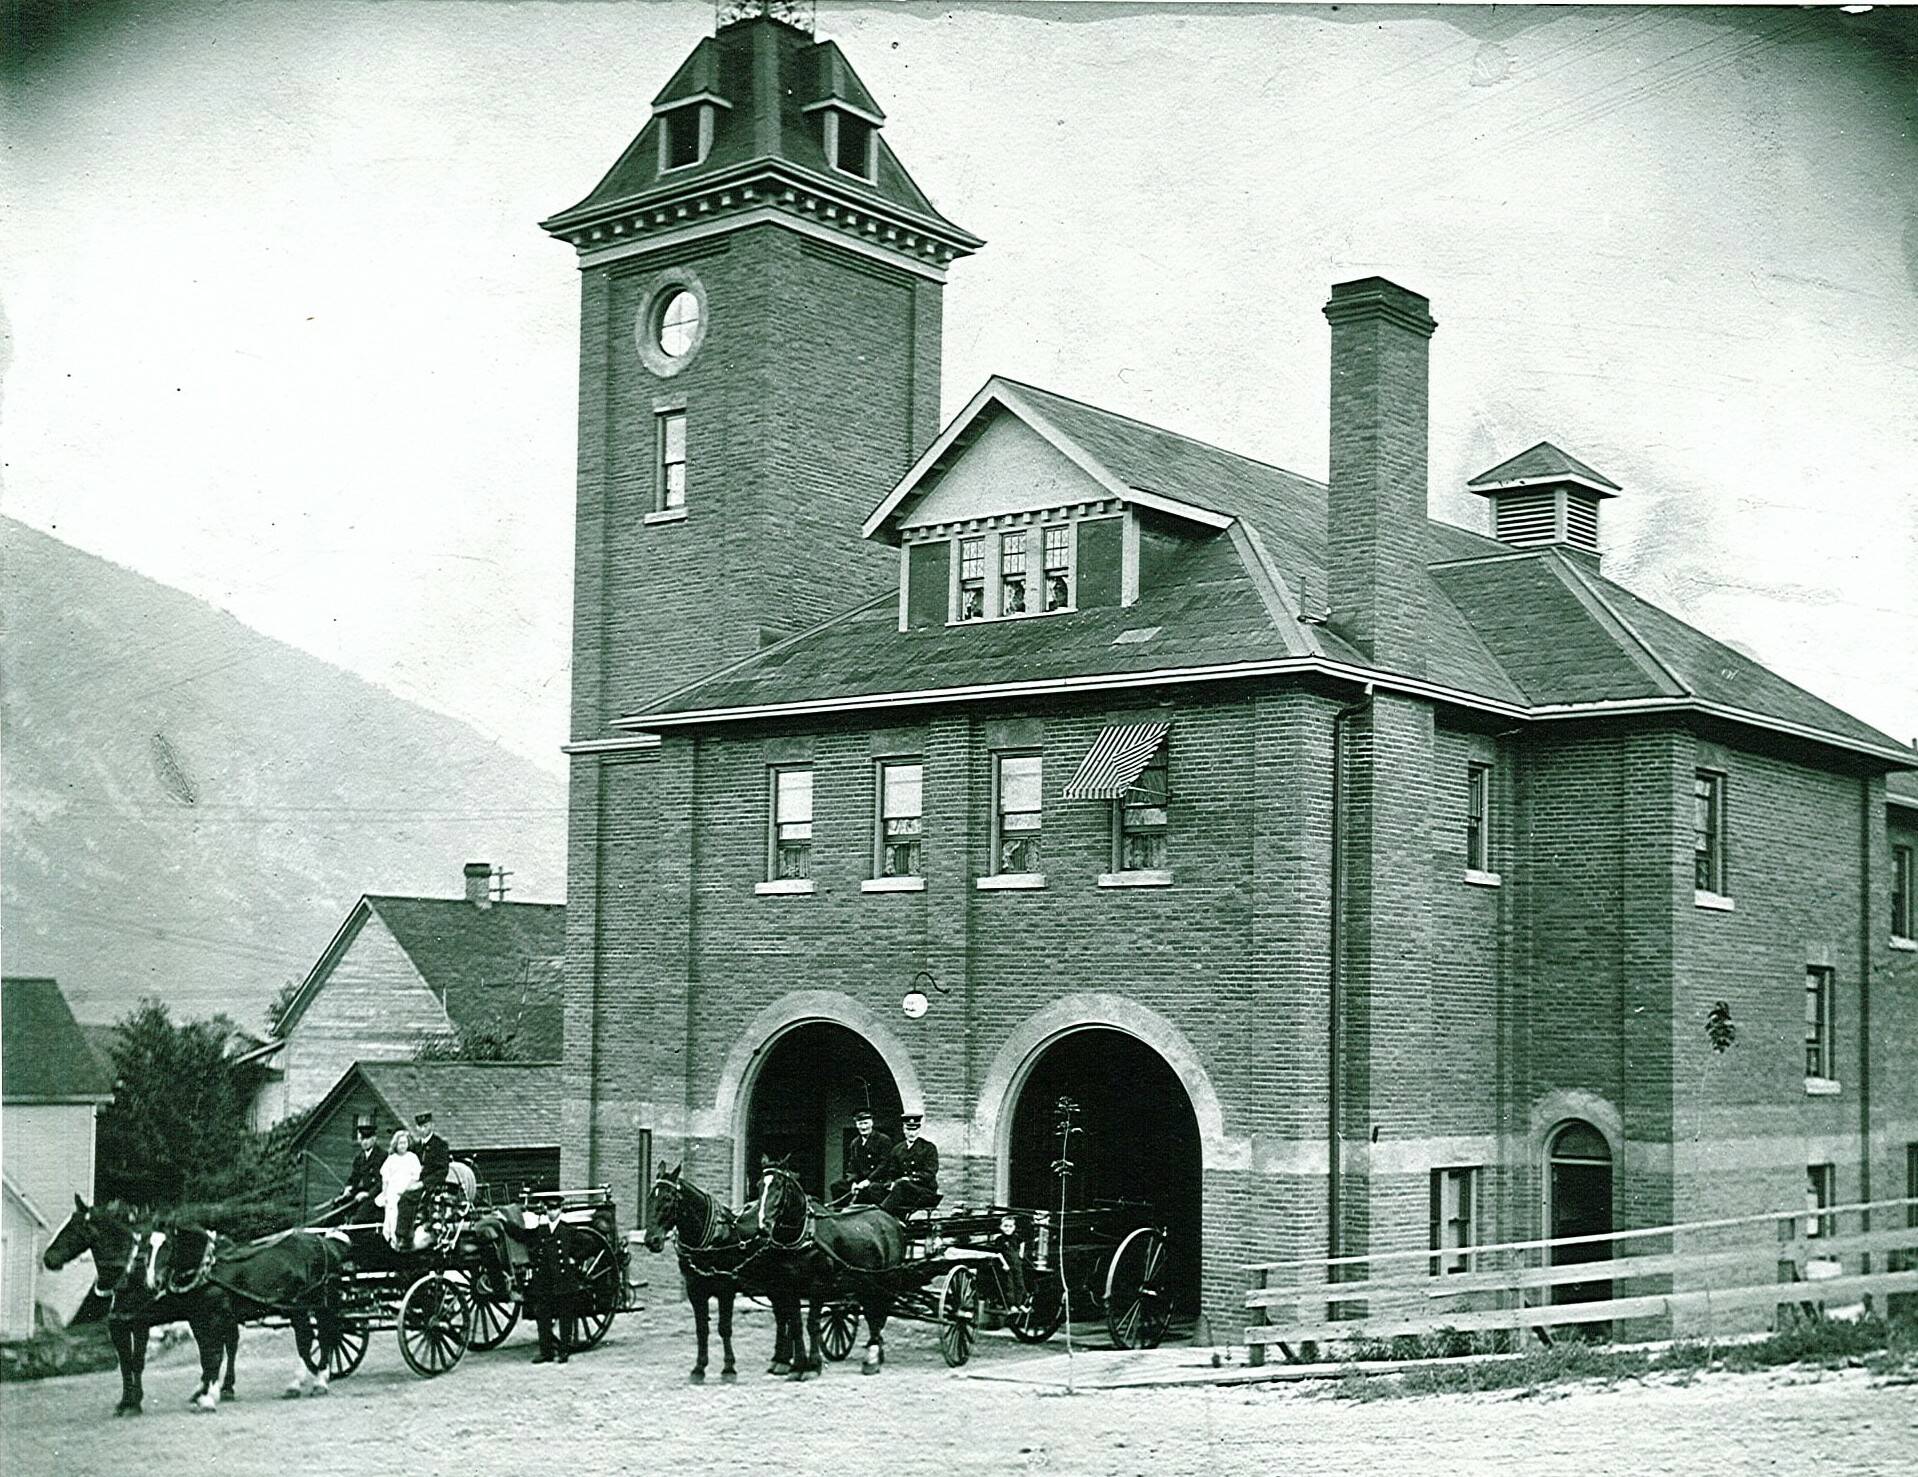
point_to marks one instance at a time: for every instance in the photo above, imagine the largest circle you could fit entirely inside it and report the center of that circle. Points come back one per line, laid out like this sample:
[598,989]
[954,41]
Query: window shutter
[1101,557]
[928,589]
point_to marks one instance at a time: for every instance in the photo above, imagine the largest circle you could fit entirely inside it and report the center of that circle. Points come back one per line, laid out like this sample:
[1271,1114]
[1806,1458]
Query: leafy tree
[479,1044]
[276,1009]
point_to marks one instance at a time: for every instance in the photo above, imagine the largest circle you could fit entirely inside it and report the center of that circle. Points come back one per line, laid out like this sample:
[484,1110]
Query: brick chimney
[1375,510]
[479,884]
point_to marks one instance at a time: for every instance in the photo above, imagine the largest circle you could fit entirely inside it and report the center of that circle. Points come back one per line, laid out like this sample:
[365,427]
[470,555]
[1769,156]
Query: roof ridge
[1646,656]
[409,897]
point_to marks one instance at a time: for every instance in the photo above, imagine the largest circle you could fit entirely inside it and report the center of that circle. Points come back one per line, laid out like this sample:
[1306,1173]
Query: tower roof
[766,84]
[1539,464]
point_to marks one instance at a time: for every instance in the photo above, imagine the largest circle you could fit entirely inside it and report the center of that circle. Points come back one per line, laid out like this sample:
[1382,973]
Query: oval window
[678,326]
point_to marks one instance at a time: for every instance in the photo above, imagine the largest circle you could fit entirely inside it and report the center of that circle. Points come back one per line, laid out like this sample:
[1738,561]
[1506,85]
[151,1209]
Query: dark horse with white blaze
[711,1251]
[137,1269]
[805,1251]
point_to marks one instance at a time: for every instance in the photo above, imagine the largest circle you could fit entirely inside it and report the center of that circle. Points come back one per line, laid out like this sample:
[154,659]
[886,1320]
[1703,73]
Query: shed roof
[475,1105]
[44,1055]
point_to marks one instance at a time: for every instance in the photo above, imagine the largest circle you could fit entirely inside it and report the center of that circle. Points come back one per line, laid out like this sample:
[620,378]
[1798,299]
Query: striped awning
[1116,761]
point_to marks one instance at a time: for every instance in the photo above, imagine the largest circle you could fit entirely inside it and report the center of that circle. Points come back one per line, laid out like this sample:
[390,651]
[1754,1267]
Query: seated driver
[867,1159]
[914,1170]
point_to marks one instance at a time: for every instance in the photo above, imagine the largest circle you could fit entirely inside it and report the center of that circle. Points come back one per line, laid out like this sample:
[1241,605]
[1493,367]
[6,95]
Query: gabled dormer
[687,110]
[845,114]
[1017,513]
[1545,496]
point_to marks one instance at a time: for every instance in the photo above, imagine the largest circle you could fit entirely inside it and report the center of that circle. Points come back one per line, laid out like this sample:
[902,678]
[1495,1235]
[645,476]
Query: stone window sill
[1483,879]
[666,515]
[785,887]
[1143,877]
[1713,901]
[1011,882]
[1822,1087]
[893,884]
[1909,946]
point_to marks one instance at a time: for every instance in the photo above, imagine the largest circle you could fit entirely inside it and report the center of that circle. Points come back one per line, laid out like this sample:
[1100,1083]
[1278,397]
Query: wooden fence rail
[1794,1258]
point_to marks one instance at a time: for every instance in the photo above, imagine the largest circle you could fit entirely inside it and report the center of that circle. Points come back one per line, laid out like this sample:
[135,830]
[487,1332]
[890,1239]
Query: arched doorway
[802,1097]
[1578,1202]
[1139,1140]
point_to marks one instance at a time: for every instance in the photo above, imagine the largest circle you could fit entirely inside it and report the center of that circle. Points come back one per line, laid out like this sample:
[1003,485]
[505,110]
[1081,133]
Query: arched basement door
[802,1098]
[1140,1141]
[1579,1203]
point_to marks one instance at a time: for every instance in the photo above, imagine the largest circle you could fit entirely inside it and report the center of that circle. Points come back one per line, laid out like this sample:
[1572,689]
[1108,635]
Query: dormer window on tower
[850,140]
[686,132]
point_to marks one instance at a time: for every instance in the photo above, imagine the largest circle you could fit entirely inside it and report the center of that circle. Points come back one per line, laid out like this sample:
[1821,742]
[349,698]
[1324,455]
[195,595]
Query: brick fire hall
[1368,880]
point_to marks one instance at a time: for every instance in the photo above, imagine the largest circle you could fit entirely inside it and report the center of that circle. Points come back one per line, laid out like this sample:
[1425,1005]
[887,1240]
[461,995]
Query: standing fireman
[866,1162]
[553,1281]
[914,1170]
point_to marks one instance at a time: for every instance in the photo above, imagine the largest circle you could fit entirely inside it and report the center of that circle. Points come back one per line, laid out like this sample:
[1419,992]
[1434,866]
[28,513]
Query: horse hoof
[869,1368]
[697,1377]
[229,1393]
[728,1376]
[293,1391]
[777,1368]
[205,1404]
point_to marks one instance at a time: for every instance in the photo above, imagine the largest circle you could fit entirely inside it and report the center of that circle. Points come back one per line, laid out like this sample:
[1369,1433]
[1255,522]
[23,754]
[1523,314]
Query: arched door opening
[1140,1141]
[1578,1202]
[801,1101]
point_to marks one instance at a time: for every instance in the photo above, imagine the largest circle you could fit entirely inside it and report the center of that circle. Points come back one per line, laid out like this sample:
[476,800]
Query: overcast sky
[283,331]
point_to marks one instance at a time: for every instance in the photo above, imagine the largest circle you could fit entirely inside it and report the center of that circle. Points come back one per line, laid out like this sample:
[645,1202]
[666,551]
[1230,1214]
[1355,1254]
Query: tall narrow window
[901,799]
[1820,1195]
[792,823]
[972,579]
[1143,816]
[1819,1059]
[1012,573]
[1902,925]
[680,141]
[1017,813]
[1708,832]
[853,149]
[1058,566]
[672,459]
[1478,817]
[1454,1207]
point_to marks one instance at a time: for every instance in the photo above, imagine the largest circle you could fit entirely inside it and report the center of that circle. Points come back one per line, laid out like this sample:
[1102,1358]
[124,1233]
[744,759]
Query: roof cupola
[1544,496]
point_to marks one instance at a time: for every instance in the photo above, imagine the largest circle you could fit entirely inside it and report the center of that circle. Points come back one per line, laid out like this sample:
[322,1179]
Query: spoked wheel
[958,1315]
[435,1325]
[599,1275]
[838,1327]
[495,1308]
[1036,1324]
[343,1346]
[1137,1310]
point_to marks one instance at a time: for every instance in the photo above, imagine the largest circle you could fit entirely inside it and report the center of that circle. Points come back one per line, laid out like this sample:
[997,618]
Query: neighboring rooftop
[475,1105]
[44,1055]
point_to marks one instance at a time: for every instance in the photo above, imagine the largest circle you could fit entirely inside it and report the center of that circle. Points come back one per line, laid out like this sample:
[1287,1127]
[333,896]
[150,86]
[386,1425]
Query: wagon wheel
[343,1346]
[958,1315]
[435,1324]
[1040,1321]
[838,1327]
[1137,1310]
[495,1307]
[599,1294]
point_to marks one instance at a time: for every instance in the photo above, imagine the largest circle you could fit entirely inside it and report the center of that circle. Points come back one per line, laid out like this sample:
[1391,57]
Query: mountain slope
[190,807]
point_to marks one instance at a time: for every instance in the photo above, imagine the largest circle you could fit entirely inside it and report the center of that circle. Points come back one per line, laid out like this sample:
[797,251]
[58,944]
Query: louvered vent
[1581,521]
[1529,517]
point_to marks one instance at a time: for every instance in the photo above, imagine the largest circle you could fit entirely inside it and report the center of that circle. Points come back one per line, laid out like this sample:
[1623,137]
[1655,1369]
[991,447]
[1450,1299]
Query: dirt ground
[627,1407]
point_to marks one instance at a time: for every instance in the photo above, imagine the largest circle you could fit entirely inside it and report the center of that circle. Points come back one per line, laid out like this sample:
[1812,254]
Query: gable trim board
[1278,667]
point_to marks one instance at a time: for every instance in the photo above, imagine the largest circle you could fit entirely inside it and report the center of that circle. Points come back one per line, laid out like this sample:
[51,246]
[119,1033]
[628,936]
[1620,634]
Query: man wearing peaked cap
[914,1169]
[363,1180]
[867,1159]
[436,1157]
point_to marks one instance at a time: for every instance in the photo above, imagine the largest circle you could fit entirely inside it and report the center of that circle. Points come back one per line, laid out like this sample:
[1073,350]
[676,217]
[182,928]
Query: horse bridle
[681,1193]
[805,1220]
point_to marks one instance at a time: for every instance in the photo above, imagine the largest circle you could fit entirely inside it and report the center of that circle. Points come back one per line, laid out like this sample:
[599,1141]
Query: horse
[711,1252]
[808,1252]
[125,1277]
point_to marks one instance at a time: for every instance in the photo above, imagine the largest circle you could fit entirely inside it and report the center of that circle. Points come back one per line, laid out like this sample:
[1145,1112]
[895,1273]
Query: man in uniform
[436,1156]
[914,1170]
[866,1162]
[553,1287]
[363,1180]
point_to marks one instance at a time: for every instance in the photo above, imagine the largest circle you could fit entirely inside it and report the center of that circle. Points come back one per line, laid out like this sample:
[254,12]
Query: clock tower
[759,363]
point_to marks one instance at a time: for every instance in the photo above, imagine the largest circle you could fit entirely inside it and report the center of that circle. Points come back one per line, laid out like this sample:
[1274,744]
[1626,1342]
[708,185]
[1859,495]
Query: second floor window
[1819,1061]
[1016,813]
[1902,925]
[1012,574]
[901,819]
[972,579]
[1143,816]
[1478,817]
[1708,832]
[792,823]
[672,459]
[1058,567]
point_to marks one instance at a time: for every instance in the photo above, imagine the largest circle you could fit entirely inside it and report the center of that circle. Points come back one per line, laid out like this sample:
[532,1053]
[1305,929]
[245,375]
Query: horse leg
[227,1390]
[782,1338]
[137,1343]
[727,1372]
[702,1322]
[303,1381]
[209,1338]
[875,1344]
[809,1365]
[122,1336]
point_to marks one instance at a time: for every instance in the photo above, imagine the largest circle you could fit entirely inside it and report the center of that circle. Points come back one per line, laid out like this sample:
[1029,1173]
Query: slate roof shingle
[44,1055]
[475,1105]
[490,967]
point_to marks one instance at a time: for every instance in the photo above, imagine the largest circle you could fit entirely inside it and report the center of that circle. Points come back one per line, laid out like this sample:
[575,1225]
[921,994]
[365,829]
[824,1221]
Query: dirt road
[627,1407]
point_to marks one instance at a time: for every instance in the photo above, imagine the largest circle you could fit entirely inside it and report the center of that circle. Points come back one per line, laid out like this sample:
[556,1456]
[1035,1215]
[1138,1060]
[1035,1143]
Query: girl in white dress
[398,1174]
